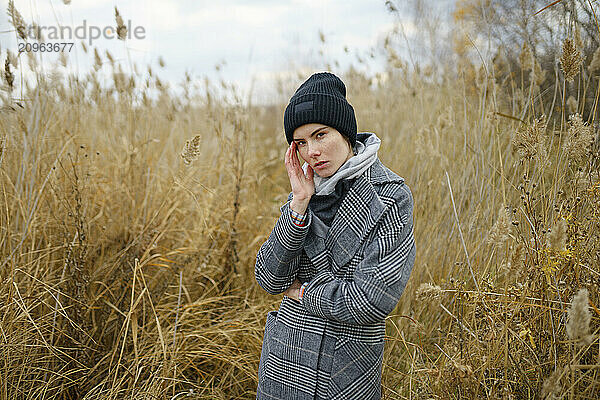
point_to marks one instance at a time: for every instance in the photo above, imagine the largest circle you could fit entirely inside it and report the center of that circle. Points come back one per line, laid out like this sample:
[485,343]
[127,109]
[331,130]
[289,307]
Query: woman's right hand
[303,187]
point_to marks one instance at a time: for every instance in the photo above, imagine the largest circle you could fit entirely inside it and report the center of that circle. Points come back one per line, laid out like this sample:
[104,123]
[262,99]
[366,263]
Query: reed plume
[529,141]
[17,20]
[578,321]
[526,57]
[8,76]
[121,28]
[191,150]
[570,59]
[427,291]
[97,60]
[552,388]
[517,257]
[579,140]
[12,59]
[500,232]
[595,63]
[110,57]
[557,238]
[539,75]
[572,104]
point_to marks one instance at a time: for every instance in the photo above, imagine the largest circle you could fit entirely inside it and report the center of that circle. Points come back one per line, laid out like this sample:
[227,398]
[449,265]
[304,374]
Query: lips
[320,164]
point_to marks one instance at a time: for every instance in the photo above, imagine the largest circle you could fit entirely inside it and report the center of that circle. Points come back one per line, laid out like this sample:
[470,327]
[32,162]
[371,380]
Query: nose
[313,150]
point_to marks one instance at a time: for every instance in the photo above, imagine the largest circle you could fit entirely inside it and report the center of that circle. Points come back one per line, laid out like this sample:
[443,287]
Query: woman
[341,253]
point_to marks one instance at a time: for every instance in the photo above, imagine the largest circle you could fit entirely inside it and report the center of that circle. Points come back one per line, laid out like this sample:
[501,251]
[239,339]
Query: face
[322,147]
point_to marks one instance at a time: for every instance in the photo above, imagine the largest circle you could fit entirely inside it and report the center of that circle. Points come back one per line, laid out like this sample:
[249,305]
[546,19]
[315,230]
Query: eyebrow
[314,132]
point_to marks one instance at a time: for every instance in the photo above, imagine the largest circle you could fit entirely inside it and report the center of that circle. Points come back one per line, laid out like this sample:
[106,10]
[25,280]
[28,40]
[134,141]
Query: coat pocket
[356,370]
[291,368]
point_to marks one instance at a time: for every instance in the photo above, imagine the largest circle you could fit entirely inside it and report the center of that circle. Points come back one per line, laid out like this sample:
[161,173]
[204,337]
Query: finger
[290,162]
[294,149]
[296,159]
[292,152]
[310,175]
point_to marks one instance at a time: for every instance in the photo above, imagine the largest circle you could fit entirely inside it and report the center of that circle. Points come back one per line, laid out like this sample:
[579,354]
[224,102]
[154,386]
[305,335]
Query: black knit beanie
[321,99]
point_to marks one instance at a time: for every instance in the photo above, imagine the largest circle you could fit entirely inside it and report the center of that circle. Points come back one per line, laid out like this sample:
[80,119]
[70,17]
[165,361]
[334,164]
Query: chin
[324,174]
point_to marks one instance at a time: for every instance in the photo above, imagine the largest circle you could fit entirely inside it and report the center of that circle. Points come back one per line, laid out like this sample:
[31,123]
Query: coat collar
[359,212]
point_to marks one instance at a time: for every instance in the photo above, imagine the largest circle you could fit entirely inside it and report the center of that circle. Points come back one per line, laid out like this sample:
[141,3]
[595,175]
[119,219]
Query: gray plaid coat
[330,346]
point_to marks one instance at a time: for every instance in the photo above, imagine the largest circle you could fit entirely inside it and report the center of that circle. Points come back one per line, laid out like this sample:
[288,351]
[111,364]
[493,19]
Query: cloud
[262,38]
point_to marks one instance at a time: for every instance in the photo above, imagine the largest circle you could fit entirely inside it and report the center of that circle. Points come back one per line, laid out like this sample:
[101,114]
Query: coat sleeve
[278,258]
[378,280]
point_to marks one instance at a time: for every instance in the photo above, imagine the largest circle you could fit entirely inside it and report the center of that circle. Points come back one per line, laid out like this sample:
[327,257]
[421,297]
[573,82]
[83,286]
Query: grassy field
[130,218]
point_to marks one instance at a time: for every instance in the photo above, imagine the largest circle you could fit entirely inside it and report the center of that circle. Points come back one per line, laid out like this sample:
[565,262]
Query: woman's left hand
[293,291]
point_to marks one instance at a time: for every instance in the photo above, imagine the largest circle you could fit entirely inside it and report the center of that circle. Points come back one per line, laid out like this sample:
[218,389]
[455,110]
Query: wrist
[299,206]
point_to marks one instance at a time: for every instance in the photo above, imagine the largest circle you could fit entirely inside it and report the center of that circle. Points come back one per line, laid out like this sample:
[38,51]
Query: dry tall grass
[130,225]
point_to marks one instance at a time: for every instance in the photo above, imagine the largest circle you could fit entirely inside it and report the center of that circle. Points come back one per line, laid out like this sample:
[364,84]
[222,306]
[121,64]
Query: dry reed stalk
[222,340]
[577,36]
[119,79]
[460,233]
[32,60]
[174,349]
[62,59]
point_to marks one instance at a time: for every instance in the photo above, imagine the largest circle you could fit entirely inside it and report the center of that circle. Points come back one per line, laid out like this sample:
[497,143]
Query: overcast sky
[251,40]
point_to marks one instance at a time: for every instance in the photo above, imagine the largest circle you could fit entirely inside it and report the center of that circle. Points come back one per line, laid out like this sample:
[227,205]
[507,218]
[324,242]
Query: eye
[299,143]
[322,133]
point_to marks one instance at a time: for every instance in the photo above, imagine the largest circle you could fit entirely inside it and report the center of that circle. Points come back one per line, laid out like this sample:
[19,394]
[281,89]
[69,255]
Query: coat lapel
[359,212]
